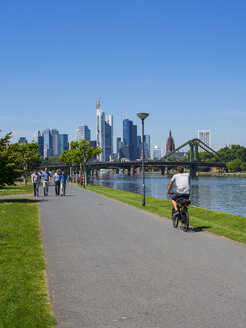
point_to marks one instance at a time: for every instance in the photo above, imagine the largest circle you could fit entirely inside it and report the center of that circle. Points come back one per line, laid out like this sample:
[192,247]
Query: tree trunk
[85,174]
[73,175]
[25,178]
[25,175]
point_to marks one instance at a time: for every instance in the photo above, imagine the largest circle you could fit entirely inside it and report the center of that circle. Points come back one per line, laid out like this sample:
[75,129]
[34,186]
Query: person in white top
[182,181]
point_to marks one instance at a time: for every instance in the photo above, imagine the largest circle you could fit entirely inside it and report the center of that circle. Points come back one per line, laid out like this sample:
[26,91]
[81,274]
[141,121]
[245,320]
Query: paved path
[111,265]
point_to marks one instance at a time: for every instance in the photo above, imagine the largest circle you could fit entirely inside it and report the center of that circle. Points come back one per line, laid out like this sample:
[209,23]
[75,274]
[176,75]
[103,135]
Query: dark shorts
[176,195]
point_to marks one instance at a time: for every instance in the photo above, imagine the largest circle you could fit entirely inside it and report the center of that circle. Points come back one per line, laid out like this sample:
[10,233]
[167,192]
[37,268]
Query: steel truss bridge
[163,164]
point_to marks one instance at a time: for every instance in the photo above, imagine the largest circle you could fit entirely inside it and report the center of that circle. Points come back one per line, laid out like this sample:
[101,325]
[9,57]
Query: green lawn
[227,225]
[16,190]
[24,301]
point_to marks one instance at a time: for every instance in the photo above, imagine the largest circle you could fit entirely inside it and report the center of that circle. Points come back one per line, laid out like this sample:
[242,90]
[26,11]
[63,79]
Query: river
[225,194]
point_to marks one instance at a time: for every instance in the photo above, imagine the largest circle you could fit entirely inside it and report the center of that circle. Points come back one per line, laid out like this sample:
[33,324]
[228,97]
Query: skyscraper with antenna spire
[100,130]
[104,133]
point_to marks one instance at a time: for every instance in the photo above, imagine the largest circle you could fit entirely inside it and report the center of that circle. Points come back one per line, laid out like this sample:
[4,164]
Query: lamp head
[142,116]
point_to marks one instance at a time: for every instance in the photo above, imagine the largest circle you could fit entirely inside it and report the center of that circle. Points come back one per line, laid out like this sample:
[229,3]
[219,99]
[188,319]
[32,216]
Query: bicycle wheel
[185,220]
[175,219]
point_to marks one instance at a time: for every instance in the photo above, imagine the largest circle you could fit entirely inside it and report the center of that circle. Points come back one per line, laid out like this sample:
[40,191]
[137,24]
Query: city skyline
[182,62]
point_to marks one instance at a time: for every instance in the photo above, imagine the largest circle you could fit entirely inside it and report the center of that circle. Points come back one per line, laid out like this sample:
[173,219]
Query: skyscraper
[22,141]
[157,152]
[51,143]
[100,130]
[205,137]
[127,124]
[108,136]
[48,143]
[55,141]
[130,139]
[139,147]
[63,143]
[83,132]
[170,145]
[39,139]
[119,148]
[147,146]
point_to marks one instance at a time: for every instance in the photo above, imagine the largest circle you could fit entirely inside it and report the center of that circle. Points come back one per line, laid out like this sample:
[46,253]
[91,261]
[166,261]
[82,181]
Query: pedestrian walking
[64,180]
[46,179]
[35,181]
[57,182]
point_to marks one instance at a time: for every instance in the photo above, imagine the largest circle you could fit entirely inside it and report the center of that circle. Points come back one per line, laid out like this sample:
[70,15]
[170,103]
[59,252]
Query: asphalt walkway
[111,265]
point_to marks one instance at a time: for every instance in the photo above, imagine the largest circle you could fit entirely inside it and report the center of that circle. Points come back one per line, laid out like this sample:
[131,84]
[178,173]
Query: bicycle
[183,216]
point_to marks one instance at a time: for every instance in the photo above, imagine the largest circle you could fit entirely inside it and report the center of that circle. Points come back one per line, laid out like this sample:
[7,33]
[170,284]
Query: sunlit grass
[16,190]
[24,295]
[223,224]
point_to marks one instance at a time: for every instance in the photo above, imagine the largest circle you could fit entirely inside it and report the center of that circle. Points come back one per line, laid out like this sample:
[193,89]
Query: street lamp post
[143,116]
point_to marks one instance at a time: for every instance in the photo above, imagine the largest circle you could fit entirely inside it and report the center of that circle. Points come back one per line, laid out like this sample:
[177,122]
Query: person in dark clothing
[57,182]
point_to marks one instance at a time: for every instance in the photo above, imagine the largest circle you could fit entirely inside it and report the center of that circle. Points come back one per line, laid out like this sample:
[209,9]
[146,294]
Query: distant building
[63,143]
[139,147]
[170,145]
[157,152]
[180,155]
[108,137]
[48,143]
[205,137]
[94,145]
[100,130]
[39,139]
[130,139]
[51,143]
[55,142]
[147,146]
[119,148]
[83,132]
[22,141]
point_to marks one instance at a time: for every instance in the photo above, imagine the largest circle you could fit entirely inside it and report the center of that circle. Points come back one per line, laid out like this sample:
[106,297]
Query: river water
[225,194]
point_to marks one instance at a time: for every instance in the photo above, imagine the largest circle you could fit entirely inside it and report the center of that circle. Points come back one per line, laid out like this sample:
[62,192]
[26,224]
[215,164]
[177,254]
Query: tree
[236,165]
[9,173]
[52,160]
[27,157]
[234,152]
[67,158]
[80,153]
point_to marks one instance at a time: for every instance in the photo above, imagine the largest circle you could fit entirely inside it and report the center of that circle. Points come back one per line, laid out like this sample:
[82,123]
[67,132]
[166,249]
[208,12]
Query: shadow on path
[22,200]
[198,229]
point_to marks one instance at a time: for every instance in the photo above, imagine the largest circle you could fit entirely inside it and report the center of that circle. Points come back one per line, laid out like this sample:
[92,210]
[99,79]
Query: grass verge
[24,294]
[16,190]
[223,224]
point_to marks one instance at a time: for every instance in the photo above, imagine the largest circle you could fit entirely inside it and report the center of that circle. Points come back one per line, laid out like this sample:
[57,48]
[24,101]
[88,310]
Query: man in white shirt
[57,181]
[182,181]
[35,181]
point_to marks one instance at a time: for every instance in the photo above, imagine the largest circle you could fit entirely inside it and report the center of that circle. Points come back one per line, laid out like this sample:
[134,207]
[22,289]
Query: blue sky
[183,62]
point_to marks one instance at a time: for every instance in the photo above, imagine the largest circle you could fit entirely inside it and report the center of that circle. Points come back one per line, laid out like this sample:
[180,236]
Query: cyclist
[46,179]
[182,181]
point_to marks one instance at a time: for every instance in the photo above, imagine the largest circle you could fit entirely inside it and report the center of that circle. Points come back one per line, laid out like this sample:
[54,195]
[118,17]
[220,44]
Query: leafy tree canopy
[53,160]
[234,152]
[9,173]
[236,165]
[79,154]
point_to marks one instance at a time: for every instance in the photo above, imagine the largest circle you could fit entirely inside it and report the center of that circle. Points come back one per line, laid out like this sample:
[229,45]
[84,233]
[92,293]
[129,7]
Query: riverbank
[24,293]
[219,223]
[207,174]
[223,174]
